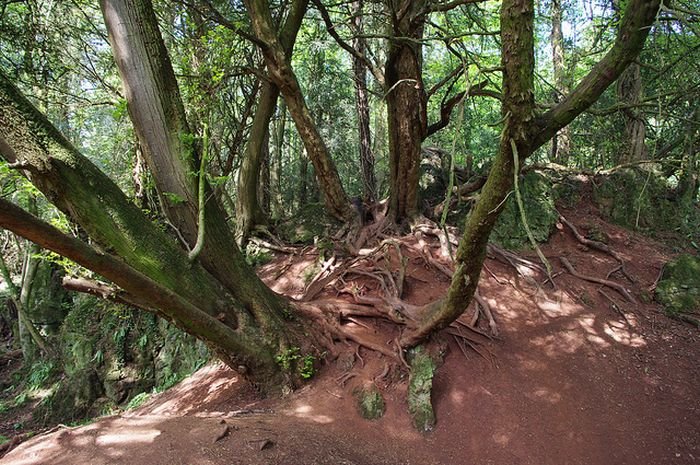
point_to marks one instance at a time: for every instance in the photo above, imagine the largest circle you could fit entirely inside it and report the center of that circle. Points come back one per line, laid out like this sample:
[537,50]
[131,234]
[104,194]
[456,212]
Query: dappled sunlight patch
[307,412]
[546,395]
[132,436]
[502,438]
[554,345]
[624,335]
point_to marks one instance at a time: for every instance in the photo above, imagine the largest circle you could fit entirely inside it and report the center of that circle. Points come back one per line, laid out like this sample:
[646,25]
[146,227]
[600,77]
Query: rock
[679,288]
[370,402]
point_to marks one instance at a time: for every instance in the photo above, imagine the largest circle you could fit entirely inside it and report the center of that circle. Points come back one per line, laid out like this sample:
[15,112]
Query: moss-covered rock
[638,199]
[420,385]
[679,288]
[310,222]
[111,354]
[538,198]
[370,402]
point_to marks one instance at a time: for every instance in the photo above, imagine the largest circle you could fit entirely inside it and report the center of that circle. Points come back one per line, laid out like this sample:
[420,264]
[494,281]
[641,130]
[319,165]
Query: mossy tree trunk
[281,73]
[629,92]
[215,295]
[173,154]
[525,131]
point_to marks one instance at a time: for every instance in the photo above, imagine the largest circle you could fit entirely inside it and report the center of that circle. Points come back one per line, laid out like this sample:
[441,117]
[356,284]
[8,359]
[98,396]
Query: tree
[249,212]
[359,68]
[524,132]
[193,273]
[281,73]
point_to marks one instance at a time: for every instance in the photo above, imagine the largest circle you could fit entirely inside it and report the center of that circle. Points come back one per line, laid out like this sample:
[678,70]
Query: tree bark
[406,105]
[276,172]
[248,210]
[282,74]
[561,142]
[629,92]
[359,67]
[173,154]
[246,326]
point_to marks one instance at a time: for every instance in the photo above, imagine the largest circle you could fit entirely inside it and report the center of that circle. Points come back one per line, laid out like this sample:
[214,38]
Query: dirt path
[570,382]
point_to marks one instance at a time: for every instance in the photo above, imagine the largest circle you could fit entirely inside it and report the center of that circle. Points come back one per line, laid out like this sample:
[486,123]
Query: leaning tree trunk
[523,133]
[282,74]
[151,269]
[174,156]
[406,106]
[249,212]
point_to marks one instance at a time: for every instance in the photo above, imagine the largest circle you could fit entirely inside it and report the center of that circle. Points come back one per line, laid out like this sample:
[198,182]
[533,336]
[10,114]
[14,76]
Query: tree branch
[634,28]
[448,105]
[376,72]
[451,5]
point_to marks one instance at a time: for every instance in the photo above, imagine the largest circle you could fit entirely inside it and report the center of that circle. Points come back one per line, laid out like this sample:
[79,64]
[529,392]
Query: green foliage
[420,385]
[173,198]
[679,288]
[137,401]
[310,223]
[292,359]
[538,198]
[3,439]
[370,402]
[256,255]
[639,199]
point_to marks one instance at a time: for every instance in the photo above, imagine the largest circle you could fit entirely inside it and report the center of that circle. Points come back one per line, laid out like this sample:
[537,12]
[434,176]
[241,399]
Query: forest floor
[575,377]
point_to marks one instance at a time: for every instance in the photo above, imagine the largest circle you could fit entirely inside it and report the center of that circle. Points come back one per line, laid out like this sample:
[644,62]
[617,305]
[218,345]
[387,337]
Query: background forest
[306,123]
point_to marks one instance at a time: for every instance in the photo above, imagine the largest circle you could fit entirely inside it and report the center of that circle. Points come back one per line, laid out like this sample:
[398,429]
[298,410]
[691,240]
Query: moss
[420,384]
[538,197]
[636,199]
[112,354]
[679,288]
[370,402]
[310,222]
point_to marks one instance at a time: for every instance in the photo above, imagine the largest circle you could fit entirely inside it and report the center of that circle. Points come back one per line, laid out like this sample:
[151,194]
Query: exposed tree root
[597,246]
[615,307]
[611,284]
[486,308]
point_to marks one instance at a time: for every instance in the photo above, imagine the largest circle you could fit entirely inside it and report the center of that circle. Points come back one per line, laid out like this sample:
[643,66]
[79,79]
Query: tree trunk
[518,61]
[277,209]
[561,142]
[525,132]
[629,91]
[173,154]
[303,179]
[369,183]
[248,210]
[282,74]
[688,181]
[406,106]
[245,323]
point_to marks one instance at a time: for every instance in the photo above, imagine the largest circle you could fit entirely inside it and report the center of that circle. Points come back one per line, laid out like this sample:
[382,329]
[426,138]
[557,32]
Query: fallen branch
[618,287]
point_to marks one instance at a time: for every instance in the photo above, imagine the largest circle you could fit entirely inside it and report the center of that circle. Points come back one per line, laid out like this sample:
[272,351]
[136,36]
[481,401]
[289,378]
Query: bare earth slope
[570,381]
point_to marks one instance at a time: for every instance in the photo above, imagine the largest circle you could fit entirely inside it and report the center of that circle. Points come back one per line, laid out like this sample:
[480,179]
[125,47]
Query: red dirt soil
[570,381]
